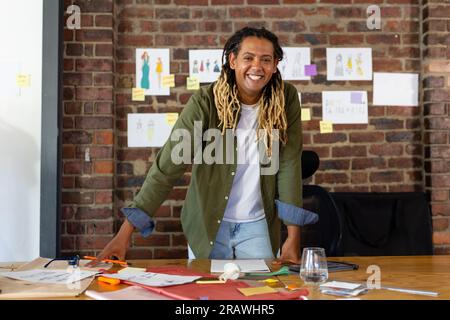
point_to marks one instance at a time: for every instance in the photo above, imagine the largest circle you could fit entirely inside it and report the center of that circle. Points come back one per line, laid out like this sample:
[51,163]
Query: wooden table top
[429,273]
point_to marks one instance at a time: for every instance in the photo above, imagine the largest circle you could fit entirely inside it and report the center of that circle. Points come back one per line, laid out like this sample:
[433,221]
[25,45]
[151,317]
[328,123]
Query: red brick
[100,228]
[94,182]
[245,12]
[92,242]
[168,226]
[155,240]
[97,35]
[386,176]
[103,197]
[104,167]
[104,65]
[349,151]
[88,213]
[94,122]
[386,149]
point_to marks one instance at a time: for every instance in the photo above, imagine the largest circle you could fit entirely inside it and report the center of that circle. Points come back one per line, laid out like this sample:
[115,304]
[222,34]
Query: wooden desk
[430,273]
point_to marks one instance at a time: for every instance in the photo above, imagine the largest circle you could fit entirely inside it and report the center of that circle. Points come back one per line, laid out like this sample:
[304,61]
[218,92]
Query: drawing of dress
[349,65]
[150,130]
[216,66]
[297,68]
[195,67]
[207,65]
[359,69]
[145,80]
[202,67]
[339,68]
[159,70]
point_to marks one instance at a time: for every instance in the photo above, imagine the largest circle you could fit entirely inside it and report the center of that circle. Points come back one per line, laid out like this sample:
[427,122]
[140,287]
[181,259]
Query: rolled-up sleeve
[140,220]
[295,215]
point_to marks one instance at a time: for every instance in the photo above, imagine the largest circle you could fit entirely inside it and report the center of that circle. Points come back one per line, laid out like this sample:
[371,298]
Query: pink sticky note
[310,70]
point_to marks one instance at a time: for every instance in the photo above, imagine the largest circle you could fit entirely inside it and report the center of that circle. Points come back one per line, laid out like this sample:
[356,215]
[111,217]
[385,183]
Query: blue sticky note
[310,70]
[356,97]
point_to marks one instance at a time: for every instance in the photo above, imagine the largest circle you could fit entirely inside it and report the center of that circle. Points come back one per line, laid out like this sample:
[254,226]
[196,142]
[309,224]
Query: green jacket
[211,184]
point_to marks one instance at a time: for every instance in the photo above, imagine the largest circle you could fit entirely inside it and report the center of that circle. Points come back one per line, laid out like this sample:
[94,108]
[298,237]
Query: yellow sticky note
[256,290]
[269,281]
[168,81]
[138,94]
[23,80]
[306,114]
[171,118]
[193,83]
[326,127]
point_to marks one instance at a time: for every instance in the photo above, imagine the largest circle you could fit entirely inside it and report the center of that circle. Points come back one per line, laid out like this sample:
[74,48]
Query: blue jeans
[248,240]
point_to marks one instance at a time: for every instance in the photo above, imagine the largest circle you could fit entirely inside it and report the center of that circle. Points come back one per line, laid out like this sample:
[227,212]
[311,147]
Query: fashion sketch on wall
[151,66]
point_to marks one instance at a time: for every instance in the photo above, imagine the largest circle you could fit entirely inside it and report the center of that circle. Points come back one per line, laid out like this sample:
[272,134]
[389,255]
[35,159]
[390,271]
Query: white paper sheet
[292,67]
[345,106]
[129,293]
[148,129]
[349,63]
[395,89]
[151,66]
[50,276]
[153,279]
[205,64]
[255,265]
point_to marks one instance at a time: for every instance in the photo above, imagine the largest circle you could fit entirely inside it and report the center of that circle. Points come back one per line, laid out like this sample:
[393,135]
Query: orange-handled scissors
[122,263]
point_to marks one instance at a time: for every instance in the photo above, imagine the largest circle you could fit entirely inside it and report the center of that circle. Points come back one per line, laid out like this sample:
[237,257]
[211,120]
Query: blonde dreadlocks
[271,104]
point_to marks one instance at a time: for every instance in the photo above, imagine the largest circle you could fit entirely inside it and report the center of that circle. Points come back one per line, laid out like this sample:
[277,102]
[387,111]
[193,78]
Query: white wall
[20,129]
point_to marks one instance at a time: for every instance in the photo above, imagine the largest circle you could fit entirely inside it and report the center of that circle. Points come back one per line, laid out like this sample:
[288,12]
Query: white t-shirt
[245,200]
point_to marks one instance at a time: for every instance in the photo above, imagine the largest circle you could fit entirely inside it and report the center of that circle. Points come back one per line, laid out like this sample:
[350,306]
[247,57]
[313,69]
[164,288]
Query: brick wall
[436,111]
[385,155]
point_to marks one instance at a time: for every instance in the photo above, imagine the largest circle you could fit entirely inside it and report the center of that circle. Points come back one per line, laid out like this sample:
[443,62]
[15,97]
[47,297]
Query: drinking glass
[314,270]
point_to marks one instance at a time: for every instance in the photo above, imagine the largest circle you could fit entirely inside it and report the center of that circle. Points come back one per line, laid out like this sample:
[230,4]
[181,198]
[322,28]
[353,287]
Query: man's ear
[232,59]
[276,66]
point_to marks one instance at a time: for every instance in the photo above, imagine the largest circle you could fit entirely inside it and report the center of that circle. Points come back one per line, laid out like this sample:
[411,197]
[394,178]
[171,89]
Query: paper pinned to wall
[306,114]
[349,63]
[193,83]
[150,129]
[395,89]
[292,67]
[326,127]
[151,66]
[205,64]
[345,106]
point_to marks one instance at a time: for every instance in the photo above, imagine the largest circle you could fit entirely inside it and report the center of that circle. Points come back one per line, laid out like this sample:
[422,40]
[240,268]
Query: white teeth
[254,77]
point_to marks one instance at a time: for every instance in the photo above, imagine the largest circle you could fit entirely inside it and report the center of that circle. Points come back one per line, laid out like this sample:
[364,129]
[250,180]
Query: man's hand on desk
[290,251]
[118,246]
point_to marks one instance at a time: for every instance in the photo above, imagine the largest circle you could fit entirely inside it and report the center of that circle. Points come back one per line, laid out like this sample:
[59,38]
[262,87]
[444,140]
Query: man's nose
[256,63]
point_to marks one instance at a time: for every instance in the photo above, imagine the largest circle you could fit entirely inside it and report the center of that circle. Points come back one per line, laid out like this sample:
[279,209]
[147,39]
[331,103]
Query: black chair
[327,232]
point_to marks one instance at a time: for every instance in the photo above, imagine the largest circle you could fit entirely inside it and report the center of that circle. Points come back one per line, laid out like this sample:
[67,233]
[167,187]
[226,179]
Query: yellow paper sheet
[306,114]
[171,118]
[23,80]
[193,83]
[132,270]
[256,290]
[326,127]
[138,94]
[168,81]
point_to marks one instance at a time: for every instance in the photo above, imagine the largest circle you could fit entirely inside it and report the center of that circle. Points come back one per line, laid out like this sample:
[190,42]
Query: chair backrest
[327,232]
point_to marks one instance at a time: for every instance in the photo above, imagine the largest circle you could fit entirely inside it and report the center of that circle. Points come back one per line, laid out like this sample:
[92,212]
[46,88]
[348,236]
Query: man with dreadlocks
[233,210]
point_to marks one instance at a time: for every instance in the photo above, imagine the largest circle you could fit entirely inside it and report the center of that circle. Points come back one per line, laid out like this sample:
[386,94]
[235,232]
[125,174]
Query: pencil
[123,263]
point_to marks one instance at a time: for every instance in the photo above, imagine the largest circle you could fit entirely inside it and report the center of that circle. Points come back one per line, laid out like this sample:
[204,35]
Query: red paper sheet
[179,271]
[225,291]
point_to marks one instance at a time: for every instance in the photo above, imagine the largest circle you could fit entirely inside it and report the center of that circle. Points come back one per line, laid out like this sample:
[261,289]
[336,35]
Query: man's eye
[247,58]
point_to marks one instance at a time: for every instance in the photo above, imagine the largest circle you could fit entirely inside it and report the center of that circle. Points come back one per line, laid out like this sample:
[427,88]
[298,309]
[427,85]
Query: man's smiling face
[254,66]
